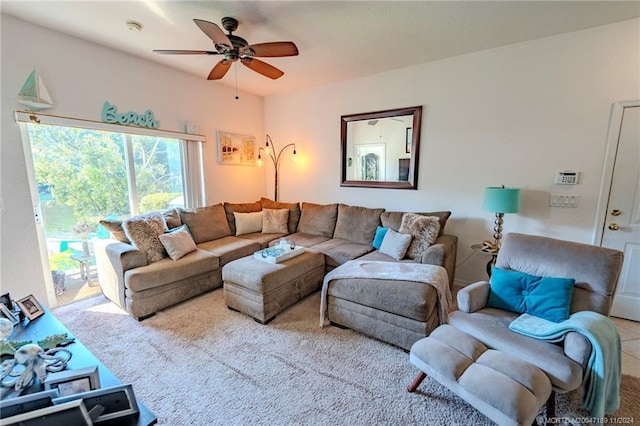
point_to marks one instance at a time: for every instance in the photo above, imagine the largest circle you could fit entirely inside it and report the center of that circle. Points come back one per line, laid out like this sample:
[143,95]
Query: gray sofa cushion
[230,248]
[339,251]
[307,240]
[114,226]
[206,223]
[393,220]
[319,219]
[408,299]
[357,224]
[294,211]
[167,271]
[230,208]
[172,217]
[261,238]
[491,327]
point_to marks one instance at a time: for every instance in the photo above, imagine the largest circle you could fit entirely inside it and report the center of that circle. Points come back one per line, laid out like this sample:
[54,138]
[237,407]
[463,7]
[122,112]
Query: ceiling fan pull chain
[236,67]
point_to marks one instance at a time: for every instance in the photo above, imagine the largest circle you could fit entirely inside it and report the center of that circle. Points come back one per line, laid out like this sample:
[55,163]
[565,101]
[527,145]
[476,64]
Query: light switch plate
[563,200]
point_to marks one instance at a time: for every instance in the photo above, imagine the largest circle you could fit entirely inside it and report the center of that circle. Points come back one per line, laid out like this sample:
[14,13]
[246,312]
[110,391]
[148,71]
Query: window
[86,175]
[85,171]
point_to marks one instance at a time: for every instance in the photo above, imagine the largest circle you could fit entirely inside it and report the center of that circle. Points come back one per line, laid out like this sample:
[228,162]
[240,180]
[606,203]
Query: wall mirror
[381,149]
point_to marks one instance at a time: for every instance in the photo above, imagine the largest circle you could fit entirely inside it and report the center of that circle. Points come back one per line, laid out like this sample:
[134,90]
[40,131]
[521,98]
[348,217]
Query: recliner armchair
[595,270]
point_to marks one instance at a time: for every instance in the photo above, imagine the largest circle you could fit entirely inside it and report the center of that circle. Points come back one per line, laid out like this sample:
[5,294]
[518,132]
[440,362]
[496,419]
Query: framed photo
[6,313]
[236,150]
[117,401]
[24,404]
[72,413]
[5,299]
[30,307]
[71,382]
[408,140]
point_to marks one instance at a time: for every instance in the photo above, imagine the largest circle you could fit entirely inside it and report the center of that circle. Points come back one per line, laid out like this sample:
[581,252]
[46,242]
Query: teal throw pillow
[380,233]
[544,297]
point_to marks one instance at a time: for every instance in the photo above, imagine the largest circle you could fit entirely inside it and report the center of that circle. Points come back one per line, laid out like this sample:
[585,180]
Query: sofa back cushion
[393,220]
[294,211]
[114,226]
[206,223]
[172,217]
[231,208]
[318,219]
[357,224]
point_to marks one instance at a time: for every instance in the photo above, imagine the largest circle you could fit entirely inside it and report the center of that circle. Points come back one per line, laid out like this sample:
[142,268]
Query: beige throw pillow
[294,211]
[246,223]
[395,244]
[178,243]
[274,221]
[423,229]
[230,208]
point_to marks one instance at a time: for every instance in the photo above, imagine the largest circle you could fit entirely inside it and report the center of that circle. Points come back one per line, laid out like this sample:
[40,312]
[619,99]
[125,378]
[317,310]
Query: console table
[48,325]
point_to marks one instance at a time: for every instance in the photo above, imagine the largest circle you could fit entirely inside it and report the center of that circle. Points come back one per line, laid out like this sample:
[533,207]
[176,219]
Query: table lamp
[500,200]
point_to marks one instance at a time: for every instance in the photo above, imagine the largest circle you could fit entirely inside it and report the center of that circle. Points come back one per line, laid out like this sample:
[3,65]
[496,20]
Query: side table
[480,249]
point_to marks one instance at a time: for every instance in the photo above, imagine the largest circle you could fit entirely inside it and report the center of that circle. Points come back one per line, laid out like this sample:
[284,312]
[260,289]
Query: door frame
[611,150]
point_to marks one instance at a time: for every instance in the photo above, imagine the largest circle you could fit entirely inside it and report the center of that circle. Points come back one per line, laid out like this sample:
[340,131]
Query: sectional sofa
[141,275]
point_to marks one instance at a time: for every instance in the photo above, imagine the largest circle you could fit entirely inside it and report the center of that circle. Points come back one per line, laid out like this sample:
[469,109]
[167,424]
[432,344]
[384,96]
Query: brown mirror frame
[412,182]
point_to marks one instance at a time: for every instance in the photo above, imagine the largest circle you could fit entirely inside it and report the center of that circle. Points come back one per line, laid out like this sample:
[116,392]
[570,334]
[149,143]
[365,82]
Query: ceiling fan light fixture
[134,25]
[234,48]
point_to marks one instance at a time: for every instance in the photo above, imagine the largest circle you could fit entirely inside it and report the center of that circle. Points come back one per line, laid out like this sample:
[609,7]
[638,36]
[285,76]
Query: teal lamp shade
[501,200]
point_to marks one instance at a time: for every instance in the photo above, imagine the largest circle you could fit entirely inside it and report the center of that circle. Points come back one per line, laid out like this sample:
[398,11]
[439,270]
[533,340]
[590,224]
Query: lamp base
[497,230]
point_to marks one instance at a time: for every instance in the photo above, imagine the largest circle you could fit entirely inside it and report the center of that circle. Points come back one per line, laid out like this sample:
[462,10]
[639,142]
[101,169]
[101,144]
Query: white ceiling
[338,40]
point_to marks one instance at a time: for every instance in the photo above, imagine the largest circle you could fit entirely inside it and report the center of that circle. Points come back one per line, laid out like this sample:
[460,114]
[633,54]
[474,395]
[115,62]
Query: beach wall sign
[110,115]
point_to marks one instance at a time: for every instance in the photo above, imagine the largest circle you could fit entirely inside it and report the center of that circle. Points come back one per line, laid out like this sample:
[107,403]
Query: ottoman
[506,389]
[262,290]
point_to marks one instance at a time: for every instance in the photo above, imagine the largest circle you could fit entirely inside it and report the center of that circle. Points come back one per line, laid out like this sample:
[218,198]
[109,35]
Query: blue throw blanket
[602,378]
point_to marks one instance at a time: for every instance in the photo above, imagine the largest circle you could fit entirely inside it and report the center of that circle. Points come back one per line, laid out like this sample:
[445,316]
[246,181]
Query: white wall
[513,115]
[80,76]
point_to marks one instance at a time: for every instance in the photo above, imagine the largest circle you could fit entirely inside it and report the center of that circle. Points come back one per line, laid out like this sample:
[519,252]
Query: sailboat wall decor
[33,93]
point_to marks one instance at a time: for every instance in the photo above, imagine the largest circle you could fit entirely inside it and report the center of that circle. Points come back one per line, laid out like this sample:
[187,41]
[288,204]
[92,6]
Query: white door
[621,228]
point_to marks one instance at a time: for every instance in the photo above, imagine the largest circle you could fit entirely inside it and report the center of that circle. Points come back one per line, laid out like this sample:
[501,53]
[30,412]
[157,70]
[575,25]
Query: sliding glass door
[86,175]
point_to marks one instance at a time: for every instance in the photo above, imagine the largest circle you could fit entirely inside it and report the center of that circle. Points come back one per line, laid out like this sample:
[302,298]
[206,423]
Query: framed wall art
[236,150]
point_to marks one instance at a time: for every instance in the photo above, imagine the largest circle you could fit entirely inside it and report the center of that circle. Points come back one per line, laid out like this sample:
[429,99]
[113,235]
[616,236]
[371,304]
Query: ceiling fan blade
[262,68]
[274,49]
[219,70]
[187,52]
[213,32]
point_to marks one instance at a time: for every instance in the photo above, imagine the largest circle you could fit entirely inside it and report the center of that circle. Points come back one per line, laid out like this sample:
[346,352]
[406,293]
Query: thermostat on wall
[567,177]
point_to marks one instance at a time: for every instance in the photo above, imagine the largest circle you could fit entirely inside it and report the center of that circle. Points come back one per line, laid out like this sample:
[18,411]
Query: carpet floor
[200,363]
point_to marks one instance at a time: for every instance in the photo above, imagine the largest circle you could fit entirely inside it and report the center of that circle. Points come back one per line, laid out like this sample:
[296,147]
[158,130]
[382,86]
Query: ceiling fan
[235,48]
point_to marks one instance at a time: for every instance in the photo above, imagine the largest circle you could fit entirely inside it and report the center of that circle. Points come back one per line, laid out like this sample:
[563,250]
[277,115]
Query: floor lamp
[270,150]
[500,200]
